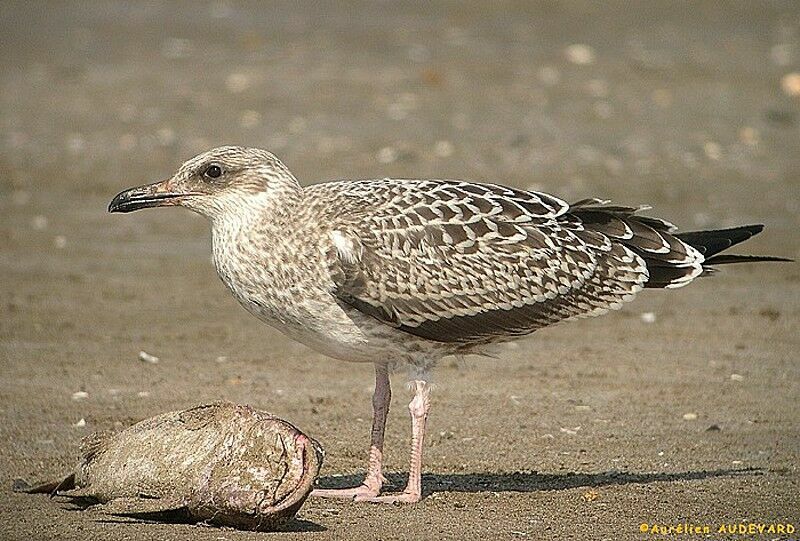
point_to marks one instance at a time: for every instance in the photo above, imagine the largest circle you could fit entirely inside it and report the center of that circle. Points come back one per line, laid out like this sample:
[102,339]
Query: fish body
[220,463]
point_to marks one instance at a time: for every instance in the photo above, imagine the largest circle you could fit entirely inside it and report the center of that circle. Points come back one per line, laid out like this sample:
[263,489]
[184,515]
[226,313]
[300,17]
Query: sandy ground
[579,432]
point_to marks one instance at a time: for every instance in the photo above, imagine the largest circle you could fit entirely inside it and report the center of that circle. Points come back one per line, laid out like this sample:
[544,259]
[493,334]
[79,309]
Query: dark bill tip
[151,195]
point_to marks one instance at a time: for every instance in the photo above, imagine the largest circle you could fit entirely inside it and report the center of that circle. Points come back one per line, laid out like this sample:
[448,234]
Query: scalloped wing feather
[470,263]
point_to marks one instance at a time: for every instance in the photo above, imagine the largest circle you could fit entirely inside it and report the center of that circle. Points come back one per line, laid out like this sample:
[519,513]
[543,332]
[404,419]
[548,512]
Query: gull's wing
[462,262]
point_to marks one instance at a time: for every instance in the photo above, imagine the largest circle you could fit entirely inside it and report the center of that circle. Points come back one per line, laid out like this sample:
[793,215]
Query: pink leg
[374,480]
[419,408]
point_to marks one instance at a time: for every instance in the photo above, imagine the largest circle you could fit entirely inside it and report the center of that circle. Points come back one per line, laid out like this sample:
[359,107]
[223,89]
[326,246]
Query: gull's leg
[374,480]
[419,408]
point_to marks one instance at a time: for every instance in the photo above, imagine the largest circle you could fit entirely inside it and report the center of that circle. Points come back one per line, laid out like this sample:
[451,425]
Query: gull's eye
[213,171]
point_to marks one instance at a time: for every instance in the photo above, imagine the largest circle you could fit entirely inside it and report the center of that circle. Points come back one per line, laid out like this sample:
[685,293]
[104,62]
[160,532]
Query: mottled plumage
[407,271]
[467,263]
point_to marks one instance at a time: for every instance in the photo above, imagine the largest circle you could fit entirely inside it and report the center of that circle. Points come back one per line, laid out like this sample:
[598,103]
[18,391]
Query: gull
[403,272]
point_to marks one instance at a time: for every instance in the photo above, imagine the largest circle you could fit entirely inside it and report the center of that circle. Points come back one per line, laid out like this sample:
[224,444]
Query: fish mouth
[311,455]
[305,444]
[157,194]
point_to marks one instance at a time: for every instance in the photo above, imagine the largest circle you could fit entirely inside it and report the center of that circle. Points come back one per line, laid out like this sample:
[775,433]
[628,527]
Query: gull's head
[224,179]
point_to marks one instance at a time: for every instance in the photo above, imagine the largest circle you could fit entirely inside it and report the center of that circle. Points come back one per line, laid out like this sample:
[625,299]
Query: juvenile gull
[405,272]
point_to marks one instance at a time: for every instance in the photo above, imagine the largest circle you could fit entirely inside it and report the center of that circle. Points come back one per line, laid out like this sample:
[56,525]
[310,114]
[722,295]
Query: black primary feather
[712,242]
[724,259]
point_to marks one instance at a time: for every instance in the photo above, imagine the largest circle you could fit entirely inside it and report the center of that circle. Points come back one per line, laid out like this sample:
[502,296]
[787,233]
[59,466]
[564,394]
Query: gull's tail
[673,259]
[710,243]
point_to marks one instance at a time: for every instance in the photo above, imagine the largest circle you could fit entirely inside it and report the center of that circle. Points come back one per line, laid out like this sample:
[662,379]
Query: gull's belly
[346,334]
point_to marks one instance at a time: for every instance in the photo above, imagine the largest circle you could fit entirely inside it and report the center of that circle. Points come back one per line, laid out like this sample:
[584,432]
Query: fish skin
[220,463]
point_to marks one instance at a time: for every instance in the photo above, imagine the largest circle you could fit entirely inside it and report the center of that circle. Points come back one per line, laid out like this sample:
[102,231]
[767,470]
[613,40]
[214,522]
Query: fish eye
[213,171]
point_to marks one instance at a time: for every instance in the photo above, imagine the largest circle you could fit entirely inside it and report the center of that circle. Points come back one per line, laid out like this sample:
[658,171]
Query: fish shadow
[294,525]
[533,481]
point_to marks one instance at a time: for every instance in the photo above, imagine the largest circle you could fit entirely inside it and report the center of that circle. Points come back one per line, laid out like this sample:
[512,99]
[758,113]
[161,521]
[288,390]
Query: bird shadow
[533,481]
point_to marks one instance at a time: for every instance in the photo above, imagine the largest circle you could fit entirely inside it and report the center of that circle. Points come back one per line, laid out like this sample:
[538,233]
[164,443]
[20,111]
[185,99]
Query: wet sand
[683,407]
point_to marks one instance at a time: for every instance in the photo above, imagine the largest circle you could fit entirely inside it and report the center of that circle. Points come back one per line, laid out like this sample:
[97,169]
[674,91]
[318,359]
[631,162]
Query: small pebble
[549,76]
[770,313]
[175,48]
[127,142]
[443,149]
[713,428]
[701,219]
[166,136]
[431,77]
[127,112]
[597,88]
[250,119]
[713,150]
[220,10]
[648,317]
[456,36]
[460,121]
[689,416]
[590,495]
[80,395]
[418,53]
[613,166]
[39,222]
[237,82]
[603,109]
[387,155]
[222,359]
[60,241]
[790,83]
[17,139]
[580,54]
[147,358]
[297,125]
[396,111]
[748,136]
[20,197]
[737,377]
[80,424]
[662,97]
[143,394]
[781,54]
[76,143]
[570,431]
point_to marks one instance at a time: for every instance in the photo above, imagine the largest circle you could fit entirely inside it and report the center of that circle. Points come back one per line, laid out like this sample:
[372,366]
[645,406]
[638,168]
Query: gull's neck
[254,241]
[239,217]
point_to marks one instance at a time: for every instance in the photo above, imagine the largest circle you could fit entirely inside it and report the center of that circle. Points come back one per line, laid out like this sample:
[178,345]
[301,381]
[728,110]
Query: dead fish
[220,463]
